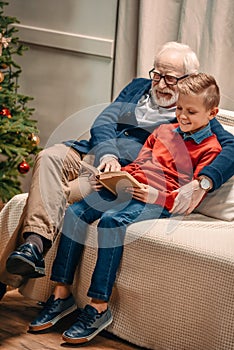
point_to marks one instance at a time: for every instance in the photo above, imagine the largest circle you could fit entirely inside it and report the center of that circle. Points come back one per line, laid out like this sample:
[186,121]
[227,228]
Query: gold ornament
[1,77]
[34,139]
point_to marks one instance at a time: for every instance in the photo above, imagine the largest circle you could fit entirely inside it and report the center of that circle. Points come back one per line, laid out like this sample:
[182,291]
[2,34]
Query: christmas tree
[18,132]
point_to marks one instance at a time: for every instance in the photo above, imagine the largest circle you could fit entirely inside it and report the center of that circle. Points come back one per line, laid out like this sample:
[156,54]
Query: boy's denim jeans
[115,215]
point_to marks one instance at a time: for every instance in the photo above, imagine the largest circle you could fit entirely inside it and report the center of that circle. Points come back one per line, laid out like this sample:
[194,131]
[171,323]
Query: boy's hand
[109,164]
[146,194]
[96,186]
[189,196]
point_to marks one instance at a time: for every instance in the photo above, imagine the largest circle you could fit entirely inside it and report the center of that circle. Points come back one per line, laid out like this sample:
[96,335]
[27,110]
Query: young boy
[172,156]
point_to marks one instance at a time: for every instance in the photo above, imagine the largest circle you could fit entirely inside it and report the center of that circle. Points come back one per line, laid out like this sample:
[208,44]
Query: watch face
[205,184]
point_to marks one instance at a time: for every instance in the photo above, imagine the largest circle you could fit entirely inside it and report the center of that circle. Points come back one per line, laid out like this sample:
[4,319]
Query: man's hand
[146,194]
[189,196]
[109,164]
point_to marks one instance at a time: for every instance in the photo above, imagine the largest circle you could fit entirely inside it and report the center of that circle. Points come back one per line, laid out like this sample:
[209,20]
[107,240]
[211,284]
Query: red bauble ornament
[23,167]
[5,112]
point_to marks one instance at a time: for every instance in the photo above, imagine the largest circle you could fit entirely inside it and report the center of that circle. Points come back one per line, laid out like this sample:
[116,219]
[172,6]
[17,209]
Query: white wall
[69,64]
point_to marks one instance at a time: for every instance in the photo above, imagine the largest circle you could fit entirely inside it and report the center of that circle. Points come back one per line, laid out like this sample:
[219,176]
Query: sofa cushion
[220,204]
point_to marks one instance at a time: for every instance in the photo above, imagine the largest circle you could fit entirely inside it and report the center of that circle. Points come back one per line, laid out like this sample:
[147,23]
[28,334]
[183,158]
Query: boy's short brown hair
[201,83]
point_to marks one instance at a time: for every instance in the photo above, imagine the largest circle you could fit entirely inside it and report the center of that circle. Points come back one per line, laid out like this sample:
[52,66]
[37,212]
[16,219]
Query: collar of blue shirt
[198,136]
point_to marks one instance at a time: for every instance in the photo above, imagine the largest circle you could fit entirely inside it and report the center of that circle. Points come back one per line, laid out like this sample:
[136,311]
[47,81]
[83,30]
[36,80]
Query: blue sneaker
[26,261]
[52,312]
[89,323]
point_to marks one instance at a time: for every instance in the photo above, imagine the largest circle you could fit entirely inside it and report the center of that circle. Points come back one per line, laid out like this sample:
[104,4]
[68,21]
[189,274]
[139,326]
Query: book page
[90,168]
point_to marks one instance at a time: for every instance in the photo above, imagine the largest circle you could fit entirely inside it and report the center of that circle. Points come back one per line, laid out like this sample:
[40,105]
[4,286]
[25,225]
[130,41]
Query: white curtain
[207,26]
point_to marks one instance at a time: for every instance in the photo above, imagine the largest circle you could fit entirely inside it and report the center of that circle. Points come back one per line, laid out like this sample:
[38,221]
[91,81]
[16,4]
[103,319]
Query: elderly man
[116,138]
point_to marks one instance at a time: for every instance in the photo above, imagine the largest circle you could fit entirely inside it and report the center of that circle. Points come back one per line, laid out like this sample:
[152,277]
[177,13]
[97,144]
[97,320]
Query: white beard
[163,102]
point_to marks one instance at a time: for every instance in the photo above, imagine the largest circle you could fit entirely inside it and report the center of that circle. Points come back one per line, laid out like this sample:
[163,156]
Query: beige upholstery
[174,289]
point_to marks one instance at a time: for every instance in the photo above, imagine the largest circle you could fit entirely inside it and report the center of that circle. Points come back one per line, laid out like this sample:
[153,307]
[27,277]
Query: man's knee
[58,151]
[79,188]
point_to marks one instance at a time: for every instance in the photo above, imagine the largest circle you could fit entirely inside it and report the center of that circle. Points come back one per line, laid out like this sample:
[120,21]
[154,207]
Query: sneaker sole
[54,320]
[86,339]
[19,265]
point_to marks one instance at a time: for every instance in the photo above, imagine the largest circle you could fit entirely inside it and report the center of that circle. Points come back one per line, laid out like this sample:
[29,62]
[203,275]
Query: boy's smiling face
[192,114]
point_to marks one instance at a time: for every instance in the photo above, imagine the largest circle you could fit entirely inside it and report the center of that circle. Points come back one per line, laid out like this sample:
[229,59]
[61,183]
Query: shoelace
[85,319]
[47,307]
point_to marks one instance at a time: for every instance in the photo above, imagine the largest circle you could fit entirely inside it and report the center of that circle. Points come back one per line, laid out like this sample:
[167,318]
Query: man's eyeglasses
[169,79]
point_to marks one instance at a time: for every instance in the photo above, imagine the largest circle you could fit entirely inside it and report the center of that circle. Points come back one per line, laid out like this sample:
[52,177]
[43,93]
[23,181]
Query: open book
[114,181]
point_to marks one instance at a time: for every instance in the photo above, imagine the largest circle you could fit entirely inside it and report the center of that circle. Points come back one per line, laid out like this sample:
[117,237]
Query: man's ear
[213,112]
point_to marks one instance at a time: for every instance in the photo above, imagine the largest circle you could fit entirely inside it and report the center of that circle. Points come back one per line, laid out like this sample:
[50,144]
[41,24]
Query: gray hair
[191,63]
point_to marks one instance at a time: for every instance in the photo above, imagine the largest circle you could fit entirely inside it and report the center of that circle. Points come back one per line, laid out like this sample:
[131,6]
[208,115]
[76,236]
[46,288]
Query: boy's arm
[191,194]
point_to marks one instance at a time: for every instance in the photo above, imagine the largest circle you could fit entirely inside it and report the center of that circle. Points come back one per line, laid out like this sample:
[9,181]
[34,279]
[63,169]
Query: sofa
[175,285]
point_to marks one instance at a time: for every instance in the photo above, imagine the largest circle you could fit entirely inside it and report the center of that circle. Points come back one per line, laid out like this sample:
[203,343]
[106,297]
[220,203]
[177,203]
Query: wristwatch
[205,183]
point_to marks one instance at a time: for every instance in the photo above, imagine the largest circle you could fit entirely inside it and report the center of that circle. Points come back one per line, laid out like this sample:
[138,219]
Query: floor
[16,312]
